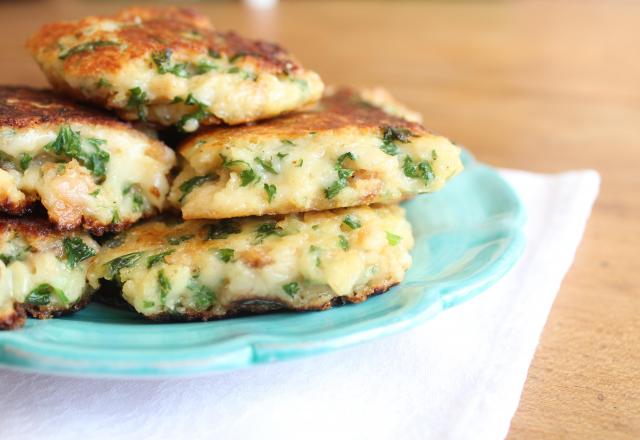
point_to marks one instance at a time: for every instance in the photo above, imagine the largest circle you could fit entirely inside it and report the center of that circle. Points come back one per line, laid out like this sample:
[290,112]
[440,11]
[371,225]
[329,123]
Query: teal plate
[467,237]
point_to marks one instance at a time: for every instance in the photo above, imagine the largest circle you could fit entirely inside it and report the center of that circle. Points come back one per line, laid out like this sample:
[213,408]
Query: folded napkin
[458,376]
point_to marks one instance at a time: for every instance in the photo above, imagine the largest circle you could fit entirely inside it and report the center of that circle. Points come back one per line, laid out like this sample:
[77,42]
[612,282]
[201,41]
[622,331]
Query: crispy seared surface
[146,29]
[346,108]
[171,66]
[207,270]
[27,107]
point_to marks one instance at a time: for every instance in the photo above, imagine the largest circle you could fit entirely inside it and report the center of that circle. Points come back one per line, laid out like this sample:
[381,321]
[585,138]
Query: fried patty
[42,270]
[196,269]
[84,166]
[354,148]
[170,66]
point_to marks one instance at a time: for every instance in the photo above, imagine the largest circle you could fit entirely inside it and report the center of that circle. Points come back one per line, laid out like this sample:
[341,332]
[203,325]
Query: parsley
[76,250]
[343,243]
[222,229]
[391,134]
[41,295]
[162,60]
[235,57]
[270,190]
[267,165]
[352,221]
[16,255]
[25,160]
[137,199]
[200,113]
[245,74]
[137,101]
[267,229]
[165,286]
[225,255]
[300,163]
[69,143]
[188,185]
[158,258]
[115,219]
[122,262]
[421,170]
[148,304]
[282,155]
[247,175]
[288,142]
[434,155]
[86,47]
[180,239]
[393,239]
[103,83]
[163,63]
[291,288]
[203,296]
[315,250]
[214,54]
[343,175]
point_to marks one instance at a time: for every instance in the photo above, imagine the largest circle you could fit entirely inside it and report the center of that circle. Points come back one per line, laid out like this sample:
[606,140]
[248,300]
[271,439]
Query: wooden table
[533,85]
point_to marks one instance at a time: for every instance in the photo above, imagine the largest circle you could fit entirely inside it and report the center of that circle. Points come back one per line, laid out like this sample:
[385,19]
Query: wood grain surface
[544,86]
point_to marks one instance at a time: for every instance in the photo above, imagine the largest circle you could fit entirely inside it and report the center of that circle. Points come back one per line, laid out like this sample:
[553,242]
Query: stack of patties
[295,212]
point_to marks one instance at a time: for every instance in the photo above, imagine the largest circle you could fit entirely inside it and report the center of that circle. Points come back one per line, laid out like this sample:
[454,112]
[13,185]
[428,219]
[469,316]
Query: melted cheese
[308,261]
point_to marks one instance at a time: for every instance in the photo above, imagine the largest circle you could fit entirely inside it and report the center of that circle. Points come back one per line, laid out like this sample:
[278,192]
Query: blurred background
[540,85]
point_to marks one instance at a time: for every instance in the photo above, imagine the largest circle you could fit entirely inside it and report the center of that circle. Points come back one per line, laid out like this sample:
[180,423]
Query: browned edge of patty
[14,320]
[342,109]
[28,107]
[45,312]
[249,306]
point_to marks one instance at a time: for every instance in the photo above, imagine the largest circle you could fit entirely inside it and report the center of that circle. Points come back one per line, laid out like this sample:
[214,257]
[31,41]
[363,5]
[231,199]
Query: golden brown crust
[15,319]
[26,107]
[147,30]
[254,306]
[340,110]
[29,227]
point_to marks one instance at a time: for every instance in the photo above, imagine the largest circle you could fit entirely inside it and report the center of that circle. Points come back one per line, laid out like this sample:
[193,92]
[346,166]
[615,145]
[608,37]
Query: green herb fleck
[179,239]
[165,286]
[282,155]
[103,83]
[288,142]
[434,155]
[291,288]
[390,135]
[188,185]
[25,160]
[76,250]
[421,170]
[267,229]
[343,175]
[115,219]
[267,165]
[198,115]
[343,243]
[69,143]
[148,304]
[41,295]
[393,239]
[122,262]
[137,101]
[202,295]
[352,221]
[137,198]
[271,191]
[247,175]
[86,47]
[158,258]
[214,54]
[225,255]
[222,229]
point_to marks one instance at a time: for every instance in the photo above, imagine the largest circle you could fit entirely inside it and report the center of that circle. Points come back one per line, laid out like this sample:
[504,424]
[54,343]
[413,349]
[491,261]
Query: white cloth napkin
[458,376]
